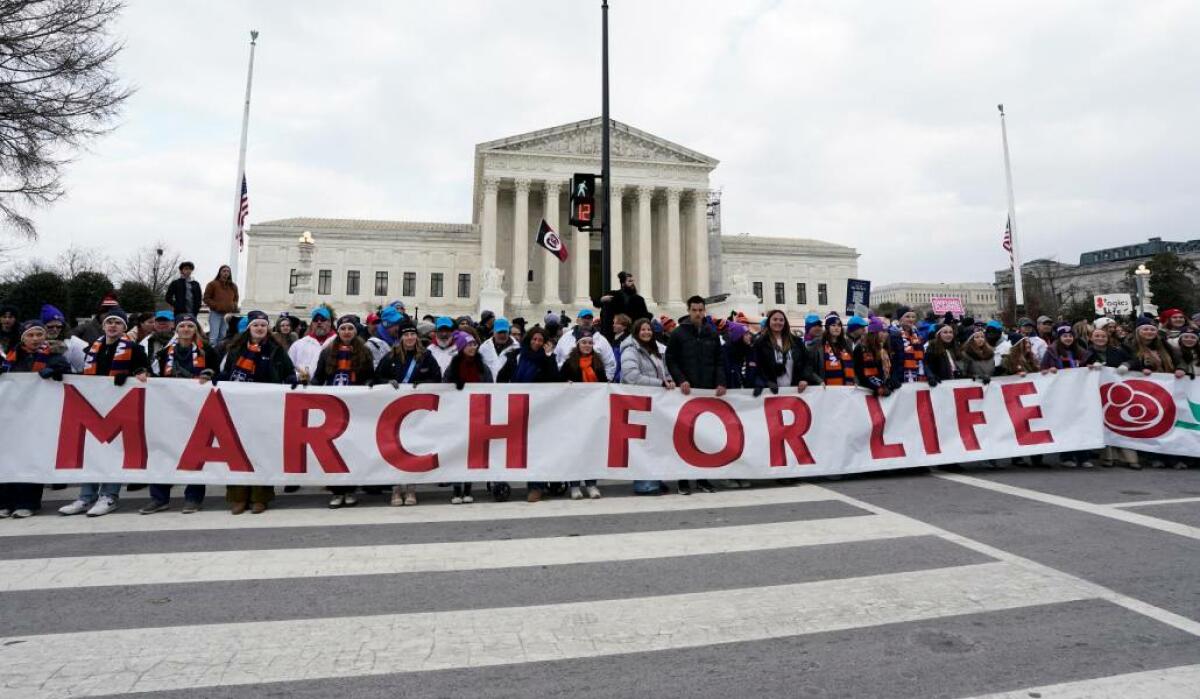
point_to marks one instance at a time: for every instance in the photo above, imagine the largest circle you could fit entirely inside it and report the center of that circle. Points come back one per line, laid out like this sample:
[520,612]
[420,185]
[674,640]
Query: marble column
[550,295]
[488,223]
[616,239]
[518,285]
[645,257]
[700,241]
[674,261]
[580,251]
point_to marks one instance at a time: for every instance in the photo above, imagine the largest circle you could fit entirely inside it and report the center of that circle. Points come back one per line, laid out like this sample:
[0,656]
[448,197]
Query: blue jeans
[192,492]
[216,327]
[89,492]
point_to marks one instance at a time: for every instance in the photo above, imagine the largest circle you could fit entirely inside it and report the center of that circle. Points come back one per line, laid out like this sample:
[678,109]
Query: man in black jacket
[694,361]
[624,300]
[183,294]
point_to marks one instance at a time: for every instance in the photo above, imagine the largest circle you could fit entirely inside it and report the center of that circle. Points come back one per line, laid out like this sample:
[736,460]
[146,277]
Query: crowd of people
[626,344]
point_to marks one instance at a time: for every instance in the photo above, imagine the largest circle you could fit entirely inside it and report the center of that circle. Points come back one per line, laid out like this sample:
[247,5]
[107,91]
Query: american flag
[1007,232]
[243,212]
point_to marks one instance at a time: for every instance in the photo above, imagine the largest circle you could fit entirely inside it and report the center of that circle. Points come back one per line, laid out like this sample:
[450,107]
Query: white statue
[739,285]
[493,279]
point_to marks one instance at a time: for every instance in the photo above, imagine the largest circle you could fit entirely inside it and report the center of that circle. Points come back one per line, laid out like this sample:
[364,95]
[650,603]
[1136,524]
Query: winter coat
[176,296]
[1051,360]
[1189,365]
[305,353]
[212,363]
[221,297]
[56,364]
[1112,356]
[364,374]
[694,356]
[454,375]
[771,370]
[741,370]
[390,368]
[442,355]
[72,349]
[977,369]
[495,358]
[941,367]
[603,349]
[547,368]
[570,370]
[631,304]
[639,367]
[278,368]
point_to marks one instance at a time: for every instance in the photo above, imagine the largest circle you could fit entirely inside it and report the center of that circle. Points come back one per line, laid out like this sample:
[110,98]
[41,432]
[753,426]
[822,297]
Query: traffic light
[583,200]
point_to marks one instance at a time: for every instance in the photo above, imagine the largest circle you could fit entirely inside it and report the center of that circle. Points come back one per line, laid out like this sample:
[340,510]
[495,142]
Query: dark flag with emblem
[548,238]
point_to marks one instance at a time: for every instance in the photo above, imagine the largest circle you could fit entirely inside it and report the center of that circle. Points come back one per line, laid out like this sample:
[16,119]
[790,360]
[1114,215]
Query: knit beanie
[875,325]
[461,340]
[115,312]
[30,325]
[1145,320]
[832,318]
[736,331]
[1063,330]
[50,313]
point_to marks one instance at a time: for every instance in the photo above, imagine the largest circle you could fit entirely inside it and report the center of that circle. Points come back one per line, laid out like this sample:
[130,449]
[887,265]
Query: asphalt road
[1016,582]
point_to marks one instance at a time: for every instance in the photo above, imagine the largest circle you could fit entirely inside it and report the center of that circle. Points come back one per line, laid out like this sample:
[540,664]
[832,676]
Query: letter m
[126,420]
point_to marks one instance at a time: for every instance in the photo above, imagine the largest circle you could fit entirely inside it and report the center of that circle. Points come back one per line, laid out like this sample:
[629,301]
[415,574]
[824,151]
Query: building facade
[978,298]
[660,227]
[1099,272]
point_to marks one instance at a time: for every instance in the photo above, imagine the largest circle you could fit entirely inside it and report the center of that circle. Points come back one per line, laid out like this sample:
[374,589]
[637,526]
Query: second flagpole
[235,246]
[1018,291]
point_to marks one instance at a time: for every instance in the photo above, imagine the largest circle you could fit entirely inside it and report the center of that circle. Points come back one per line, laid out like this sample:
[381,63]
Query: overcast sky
[865,123]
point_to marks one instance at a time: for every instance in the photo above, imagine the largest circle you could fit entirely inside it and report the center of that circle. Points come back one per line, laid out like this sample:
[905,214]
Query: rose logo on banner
[1137,409]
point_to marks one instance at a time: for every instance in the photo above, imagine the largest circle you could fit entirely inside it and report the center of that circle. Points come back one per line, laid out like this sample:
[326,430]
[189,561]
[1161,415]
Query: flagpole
[1018,291]
[234,247]
[605,166]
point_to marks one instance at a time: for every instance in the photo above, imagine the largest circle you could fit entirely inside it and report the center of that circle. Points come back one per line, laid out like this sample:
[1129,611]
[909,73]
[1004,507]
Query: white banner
[179,431]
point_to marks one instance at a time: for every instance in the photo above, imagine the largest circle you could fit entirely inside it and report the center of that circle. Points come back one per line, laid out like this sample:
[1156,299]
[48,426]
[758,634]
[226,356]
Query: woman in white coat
[642,365]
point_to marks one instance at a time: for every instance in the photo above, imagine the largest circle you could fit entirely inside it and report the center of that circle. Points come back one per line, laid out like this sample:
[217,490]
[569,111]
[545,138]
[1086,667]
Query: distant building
[1104,271]
[978,298]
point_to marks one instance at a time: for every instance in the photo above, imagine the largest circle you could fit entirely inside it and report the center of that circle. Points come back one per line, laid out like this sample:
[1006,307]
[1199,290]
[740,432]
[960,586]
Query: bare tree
[58,90]
[154,265]
[81,258]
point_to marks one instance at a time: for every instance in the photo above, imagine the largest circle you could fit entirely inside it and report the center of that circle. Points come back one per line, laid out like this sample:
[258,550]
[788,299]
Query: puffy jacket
[390,368]
[638,366]
[694,356]
[547,368]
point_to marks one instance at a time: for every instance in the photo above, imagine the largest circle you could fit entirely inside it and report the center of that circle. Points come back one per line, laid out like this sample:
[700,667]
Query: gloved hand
[758,390]
[459,384]
[985,380]
[214,379]
[51,373]
[932,381]
[295,383]
[120,379]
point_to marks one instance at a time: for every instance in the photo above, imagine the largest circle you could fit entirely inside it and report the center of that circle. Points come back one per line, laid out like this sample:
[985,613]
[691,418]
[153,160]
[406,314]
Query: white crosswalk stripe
[122,649]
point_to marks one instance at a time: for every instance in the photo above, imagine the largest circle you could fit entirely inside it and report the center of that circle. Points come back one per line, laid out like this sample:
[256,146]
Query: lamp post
[1142,277]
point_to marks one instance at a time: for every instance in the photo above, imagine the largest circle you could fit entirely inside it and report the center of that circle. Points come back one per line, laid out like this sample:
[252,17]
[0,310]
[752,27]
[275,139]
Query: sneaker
[237,508]
[133,487]
[456,500]
[593,492]
[684,489]
[1135,466]
[705,487]
[5,513]
[1067,463]
[104,505]
[22,513]
[410,499]
[467,499]
[397,498]
[350,500]
[336,501]
[76,508]
[190,508]
[576,493]
[258,508]
[1156,464]
[291,488]
[1087,464]
[534,495]
[1179,466]
[152,507]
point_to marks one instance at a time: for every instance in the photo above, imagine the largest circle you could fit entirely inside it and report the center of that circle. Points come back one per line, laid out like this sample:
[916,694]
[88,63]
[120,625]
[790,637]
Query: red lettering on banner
[928,423]
[967,418]
[482,431]
[214,424]
[387,433]
[685,433]
[879,448]
[1021,415]
[126,420]
[781,435]
[620,429]
[298,435]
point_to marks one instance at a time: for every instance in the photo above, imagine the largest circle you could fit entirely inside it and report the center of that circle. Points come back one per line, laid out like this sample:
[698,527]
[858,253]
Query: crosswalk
[772,591]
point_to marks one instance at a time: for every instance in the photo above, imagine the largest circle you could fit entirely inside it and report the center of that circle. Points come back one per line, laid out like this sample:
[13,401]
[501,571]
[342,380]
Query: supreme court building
[662,231]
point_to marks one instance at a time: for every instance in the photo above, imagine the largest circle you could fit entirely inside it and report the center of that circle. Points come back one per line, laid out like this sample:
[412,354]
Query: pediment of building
[582,139]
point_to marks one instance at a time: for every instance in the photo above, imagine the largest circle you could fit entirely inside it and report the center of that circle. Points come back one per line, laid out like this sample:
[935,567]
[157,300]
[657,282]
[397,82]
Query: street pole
[605,166]
[235,246]
[1018,291]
